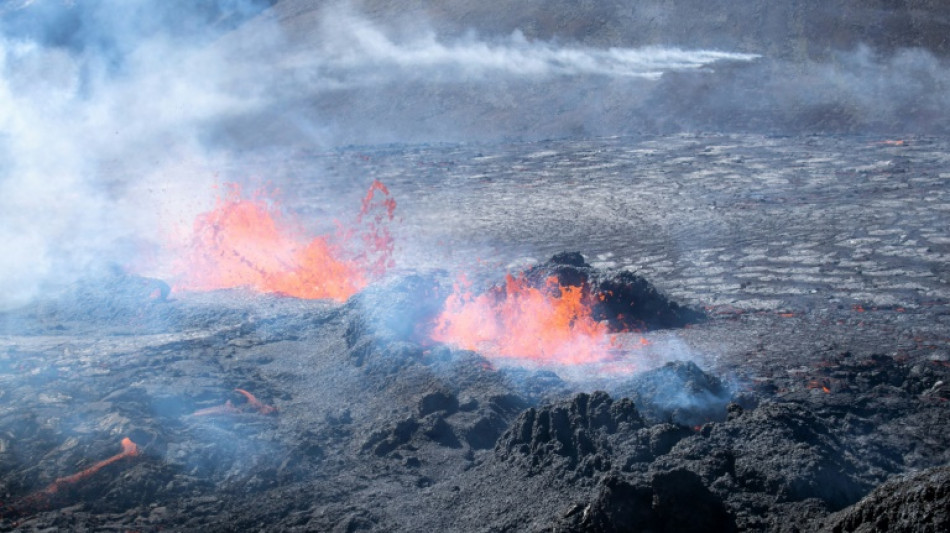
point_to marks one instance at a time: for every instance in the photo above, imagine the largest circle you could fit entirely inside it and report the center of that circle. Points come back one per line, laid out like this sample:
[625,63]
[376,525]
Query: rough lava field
[806,389]
[523,265]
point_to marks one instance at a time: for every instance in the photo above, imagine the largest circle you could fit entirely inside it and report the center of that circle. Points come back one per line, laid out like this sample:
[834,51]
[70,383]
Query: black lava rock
[917,502]
[624,300]
[570,434]
[674,501]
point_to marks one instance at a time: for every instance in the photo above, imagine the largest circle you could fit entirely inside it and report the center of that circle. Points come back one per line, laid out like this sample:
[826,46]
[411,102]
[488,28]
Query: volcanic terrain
[782,363]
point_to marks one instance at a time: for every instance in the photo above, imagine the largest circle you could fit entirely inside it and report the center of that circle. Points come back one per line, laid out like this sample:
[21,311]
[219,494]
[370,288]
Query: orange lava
[548,325]
[129,449]
[228,408]
[246,243]
[41,498]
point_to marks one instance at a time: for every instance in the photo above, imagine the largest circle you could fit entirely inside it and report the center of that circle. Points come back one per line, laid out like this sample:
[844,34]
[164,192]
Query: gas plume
[114,114]
[116,117]
[101,111]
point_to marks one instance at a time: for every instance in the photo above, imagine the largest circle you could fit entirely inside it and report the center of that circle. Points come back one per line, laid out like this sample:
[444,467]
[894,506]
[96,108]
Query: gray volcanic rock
[678,392]
[674,501]
[570,436]
[781,449]
[917,502]
[825,276]
[778,466]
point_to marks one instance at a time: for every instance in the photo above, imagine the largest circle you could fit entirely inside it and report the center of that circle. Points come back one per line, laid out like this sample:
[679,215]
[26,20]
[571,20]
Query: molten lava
[228,408]
[246,243]
[40,499]
[548,325]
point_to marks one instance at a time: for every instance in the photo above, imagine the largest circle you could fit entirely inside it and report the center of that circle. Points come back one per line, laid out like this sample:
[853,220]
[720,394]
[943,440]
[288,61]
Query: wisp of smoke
[356,50]
[100,121]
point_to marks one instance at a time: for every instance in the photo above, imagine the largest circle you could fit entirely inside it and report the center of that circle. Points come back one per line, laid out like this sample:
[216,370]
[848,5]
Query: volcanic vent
[560,312]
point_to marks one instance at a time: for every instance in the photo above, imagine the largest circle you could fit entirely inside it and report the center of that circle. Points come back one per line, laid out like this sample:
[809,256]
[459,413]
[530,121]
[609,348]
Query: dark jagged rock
[385,441]
[781,450]
[675,501]
[438,401]
[436,429]
[569,434]
[918,502]
[788,459]
[574,259]
[479,424]
[619,505]
[441,420]
[683,504]
[662,438]
[632,302]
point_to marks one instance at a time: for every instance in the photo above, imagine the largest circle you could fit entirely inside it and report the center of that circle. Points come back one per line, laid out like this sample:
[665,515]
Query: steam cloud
[100,120]
[118,116]
[354,47]
[106,109]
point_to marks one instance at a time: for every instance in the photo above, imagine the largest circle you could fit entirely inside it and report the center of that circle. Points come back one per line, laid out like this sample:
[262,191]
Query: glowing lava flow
[41,498]
[547,325]
[243,243]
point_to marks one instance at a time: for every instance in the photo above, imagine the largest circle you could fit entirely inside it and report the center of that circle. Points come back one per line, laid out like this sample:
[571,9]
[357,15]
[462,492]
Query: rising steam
[356,51]
[108,112]
[118,116]
[100,119]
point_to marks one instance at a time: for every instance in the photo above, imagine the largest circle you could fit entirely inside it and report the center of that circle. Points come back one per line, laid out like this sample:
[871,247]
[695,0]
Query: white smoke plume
[100,123]
[352,46]
[108,112]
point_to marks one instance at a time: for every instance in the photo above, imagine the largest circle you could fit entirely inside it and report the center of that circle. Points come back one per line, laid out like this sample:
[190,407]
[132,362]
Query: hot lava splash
[550,324]
[247,243]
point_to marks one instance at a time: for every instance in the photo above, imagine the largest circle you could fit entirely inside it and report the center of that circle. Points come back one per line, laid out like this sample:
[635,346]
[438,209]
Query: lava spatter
[249,243]
[547,324]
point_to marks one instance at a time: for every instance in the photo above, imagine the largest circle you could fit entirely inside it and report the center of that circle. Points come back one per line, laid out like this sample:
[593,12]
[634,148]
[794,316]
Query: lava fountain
[550,324]
[248,242]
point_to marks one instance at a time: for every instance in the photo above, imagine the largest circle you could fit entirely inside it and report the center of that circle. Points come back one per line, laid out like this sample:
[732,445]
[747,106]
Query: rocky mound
[918,502]
[110,299]
[681,393]
[623,299]
[575,435]
[675,501]
[777,466]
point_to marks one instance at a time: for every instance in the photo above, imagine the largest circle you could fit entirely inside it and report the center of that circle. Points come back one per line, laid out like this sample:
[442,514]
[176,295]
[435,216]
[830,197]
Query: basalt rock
[674,501]
[756,465]
[918,502]
[569,435]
